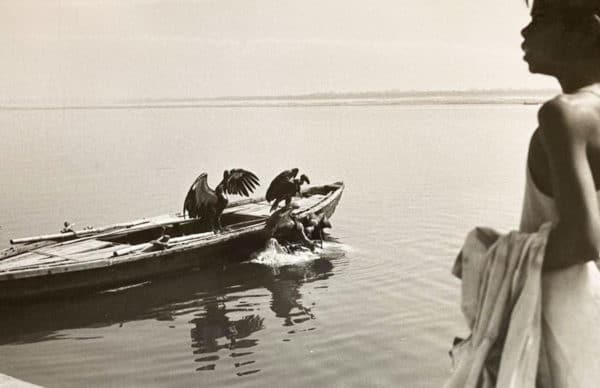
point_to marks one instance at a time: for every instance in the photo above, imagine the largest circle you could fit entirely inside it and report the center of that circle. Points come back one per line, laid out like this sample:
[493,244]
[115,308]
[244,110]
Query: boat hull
[149,265]
[130,272]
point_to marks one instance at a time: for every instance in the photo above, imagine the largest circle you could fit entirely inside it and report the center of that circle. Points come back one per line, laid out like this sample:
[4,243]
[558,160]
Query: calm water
[378,309]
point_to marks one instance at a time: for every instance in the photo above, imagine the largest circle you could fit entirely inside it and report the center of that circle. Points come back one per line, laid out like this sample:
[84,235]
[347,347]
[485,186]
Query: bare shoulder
[569,118]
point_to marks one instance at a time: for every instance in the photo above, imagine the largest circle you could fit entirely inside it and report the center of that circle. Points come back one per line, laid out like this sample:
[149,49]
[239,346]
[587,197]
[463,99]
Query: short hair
[580,6]
[572,12]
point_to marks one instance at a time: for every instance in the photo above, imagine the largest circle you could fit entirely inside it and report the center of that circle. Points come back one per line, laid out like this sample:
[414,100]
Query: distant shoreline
[279,104]
[476,97]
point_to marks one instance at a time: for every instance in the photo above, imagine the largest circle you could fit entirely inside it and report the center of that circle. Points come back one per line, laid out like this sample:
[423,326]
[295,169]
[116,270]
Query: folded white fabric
[501,301]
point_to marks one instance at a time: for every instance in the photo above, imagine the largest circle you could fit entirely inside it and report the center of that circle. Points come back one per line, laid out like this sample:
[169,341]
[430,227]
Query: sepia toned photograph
[260,193]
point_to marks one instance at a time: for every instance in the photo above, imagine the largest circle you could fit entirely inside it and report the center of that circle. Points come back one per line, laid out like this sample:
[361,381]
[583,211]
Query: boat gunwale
[184,246]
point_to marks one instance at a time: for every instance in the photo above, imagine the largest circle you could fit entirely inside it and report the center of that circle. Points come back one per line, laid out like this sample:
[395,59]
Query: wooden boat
[124,253]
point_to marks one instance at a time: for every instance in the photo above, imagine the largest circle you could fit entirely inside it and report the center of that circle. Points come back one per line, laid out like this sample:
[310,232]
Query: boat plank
[75,234]
[191,236]
[126,250]
[29,258]
[264,209]
[99,254]
[44,259]
[257,212]
[242,208]
[56,262]
[78,247]
[20,249]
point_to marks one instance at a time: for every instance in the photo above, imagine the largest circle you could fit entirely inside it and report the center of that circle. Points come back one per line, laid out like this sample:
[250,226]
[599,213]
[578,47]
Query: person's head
[563,37]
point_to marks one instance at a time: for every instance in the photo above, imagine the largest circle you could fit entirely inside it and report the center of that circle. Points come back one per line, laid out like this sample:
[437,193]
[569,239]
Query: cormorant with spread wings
[284,187]
[202,201]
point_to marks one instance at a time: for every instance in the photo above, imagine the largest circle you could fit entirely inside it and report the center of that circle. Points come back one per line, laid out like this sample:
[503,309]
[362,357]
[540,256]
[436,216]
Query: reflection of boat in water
[141,250]
[163,299]
[222,308]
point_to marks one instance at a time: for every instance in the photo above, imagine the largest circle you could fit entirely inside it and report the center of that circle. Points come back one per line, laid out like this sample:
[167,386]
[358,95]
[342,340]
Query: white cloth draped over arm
[501,301]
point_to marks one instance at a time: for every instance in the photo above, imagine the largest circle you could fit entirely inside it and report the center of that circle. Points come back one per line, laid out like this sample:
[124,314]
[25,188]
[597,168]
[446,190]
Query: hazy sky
[81,51]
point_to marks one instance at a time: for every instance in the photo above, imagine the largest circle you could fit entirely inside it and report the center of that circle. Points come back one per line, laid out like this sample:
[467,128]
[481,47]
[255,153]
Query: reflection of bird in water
[216,324]
[285,297]
[202,201]
[209,328]
[285,290]
[285,186]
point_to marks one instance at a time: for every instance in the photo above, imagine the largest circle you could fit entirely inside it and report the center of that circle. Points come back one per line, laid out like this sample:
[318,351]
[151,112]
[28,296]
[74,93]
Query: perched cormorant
[284,187]
[202,201]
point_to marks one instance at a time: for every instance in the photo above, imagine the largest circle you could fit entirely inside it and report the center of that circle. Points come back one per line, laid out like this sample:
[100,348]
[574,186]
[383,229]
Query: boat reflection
[225,306]
[161,299]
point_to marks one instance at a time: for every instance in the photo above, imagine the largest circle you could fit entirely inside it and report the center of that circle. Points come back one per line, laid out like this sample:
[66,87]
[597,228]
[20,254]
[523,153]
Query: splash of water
[274,255]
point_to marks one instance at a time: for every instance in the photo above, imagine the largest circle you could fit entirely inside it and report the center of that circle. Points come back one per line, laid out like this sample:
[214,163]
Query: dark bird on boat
[286,228]
[314,226]
[284,187]
[204,202]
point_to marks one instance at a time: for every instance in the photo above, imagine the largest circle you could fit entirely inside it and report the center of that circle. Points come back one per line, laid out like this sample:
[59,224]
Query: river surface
[377,308]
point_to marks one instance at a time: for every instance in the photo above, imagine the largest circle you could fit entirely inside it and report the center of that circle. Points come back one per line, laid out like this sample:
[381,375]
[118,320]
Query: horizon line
[350,94]
[402,96]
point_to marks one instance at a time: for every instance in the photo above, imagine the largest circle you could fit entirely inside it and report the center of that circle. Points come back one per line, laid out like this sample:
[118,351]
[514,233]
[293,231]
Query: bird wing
[279,185]
[240,181]
[287,174]
[189,204]
[199,198]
